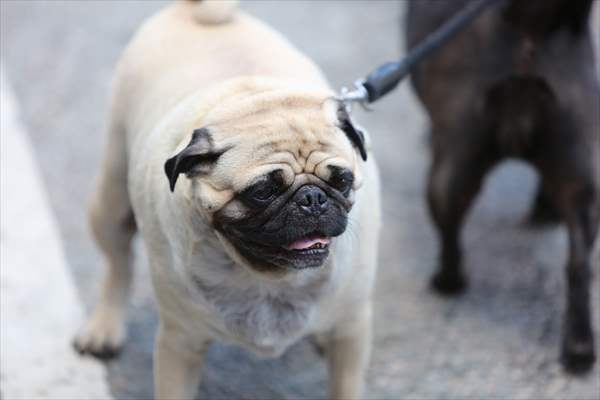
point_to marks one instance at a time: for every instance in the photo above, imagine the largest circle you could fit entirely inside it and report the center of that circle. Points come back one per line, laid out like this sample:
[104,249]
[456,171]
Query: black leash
[387,76]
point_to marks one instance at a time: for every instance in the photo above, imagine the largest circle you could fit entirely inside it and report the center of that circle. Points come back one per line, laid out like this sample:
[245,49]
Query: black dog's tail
[541,18]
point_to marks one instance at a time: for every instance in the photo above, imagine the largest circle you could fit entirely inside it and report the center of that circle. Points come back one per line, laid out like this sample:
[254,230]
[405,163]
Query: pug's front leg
[348,352]
[177,363]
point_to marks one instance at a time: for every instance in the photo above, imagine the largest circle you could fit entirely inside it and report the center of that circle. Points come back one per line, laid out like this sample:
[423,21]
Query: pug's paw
[102,336]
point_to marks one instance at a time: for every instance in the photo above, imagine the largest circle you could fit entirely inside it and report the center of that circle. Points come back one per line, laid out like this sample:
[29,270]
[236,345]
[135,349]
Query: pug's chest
[266,322]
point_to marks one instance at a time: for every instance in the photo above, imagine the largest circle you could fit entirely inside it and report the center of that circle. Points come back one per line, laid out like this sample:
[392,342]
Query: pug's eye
[264,192]
[342,182]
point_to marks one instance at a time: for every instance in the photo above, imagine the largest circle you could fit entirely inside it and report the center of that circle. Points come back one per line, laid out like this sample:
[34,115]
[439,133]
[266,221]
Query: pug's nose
[312,200]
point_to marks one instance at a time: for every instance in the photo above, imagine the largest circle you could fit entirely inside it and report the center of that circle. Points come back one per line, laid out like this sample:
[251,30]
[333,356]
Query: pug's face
[275,173]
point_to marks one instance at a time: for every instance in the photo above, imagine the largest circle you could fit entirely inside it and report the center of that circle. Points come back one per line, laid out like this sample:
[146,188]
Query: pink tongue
[303,244]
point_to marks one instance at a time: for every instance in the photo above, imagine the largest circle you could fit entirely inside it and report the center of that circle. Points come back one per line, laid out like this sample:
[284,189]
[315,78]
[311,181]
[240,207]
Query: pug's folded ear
[355,135]
[198,157]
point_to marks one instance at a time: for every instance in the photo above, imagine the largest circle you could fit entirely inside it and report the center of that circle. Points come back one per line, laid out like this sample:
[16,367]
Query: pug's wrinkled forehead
[300,136]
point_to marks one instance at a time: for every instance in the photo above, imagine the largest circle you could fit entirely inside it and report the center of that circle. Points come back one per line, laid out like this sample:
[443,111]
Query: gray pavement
[499,340]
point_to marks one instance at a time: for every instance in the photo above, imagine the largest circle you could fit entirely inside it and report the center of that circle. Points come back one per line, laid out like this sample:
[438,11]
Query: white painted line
[39,308]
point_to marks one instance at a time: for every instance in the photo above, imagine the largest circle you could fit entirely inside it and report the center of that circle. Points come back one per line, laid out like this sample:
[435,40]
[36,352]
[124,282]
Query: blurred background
[499,340]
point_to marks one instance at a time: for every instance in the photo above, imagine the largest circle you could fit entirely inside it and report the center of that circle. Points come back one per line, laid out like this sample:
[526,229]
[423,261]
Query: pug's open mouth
[308,251]
[309,245]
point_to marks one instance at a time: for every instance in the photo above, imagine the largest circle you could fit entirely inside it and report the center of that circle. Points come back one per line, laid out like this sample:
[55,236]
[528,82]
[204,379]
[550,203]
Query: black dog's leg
[573,176]
[454,181]
[582,221]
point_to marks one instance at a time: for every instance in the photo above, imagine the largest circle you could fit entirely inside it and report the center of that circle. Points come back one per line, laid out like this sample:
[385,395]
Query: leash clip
[358,94]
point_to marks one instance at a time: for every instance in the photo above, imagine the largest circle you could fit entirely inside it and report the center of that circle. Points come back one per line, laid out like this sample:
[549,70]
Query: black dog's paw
[578,357]
[448,284]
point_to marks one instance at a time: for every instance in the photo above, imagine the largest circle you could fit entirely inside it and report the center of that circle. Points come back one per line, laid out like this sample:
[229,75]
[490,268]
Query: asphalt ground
[499,340]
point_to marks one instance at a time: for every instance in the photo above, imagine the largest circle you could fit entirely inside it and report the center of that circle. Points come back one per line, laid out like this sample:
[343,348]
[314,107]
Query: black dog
[519,82]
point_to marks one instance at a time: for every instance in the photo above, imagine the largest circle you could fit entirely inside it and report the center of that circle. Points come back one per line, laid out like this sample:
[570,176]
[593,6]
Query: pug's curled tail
[213,12]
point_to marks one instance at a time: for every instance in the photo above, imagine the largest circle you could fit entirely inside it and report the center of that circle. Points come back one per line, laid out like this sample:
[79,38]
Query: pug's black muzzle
[267,238]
